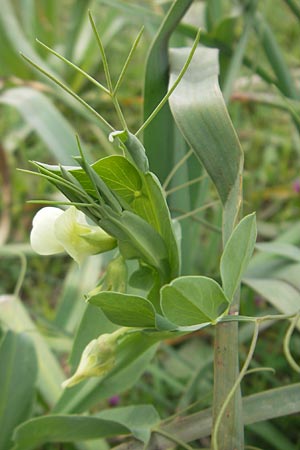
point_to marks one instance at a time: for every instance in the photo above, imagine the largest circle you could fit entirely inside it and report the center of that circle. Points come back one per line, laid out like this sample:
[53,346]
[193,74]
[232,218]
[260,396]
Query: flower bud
[97,359]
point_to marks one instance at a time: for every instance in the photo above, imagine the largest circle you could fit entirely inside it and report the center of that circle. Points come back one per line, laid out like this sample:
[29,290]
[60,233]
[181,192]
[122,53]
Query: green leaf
[44,119]
[144,195]
[50,375]
[18,374]
[237,254]
[131,419]
[203,118]
[121,177]
[124,309]
[138,240]
[206,126]
[193,300]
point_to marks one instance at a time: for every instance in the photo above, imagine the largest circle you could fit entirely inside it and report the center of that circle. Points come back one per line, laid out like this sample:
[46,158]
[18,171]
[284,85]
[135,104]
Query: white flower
[56,231]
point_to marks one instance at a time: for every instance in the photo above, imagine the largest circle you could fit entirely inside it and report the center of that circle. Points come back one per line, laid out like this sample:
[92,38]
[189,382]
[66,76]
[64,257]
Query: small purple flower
[296,186]
[114,400]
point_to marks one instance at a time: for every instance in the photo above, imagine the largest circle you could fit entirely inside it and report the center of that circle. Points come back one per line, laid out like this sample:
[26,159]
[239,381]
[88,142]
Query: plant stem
[225,410]
[226,370]
[230,428]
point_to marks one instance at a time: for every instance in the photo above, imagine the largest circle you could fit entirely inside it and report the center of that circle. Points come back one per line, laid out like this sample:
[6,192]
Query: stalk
[230,428]
[226,370]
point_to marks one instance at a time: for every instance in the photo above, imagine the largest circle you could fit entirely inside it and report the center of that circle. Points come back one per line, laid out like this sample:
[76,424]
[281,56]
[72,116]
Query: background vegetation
[259,56]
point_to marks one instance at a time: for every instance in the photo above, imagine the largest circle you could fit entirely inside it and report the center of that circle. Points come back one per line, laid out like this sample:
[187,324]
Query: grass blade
[35,108]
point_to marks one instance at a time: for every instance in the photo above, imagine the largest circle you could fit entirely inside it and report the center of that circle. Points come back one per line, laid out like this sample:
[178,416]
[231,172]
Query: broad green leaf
[50,376]
[121,177]
[237,254]
[193,300]
[124,309]
[44,119]
[142,278]
[131,419]
[18,374]
[203,118]
[288,251]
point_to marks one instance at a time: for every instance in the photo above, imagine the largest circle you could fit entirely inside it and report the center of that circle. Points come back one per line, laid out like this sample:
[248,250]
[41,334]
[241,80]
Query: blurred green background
[260,78]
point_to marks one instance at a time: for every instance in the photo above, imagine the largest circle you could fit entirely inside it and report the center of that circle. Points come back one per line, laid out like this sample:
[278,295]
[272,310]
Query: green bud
[97,359]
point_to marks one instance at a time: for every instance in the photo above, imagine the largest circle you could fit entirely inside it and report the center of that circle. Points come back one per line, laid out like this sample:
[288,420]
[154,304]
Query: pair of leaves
[190,300]
[185,301]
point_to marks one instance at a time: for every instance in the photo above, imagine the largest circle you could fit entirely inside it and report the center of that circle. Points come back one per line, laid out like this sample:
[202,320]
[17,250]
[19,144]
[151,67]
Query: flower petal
[42,237]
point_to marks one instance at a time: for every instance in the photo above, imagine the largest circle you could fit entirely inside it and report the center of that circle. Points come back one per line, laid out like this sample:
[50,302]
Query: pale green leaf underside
[237,254]
[193,300]
[200,112]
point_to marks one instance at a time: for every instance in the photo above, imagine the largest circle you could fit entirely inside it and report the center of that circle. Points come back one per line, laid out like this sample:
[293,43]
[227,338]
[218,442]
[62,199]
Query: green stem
[112,92]
[229,426]
[128,60]
[185,185]
[78,69]
[226,348]
[216,436]
[68,90]
[197,210]
[22,274]
[177,167]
